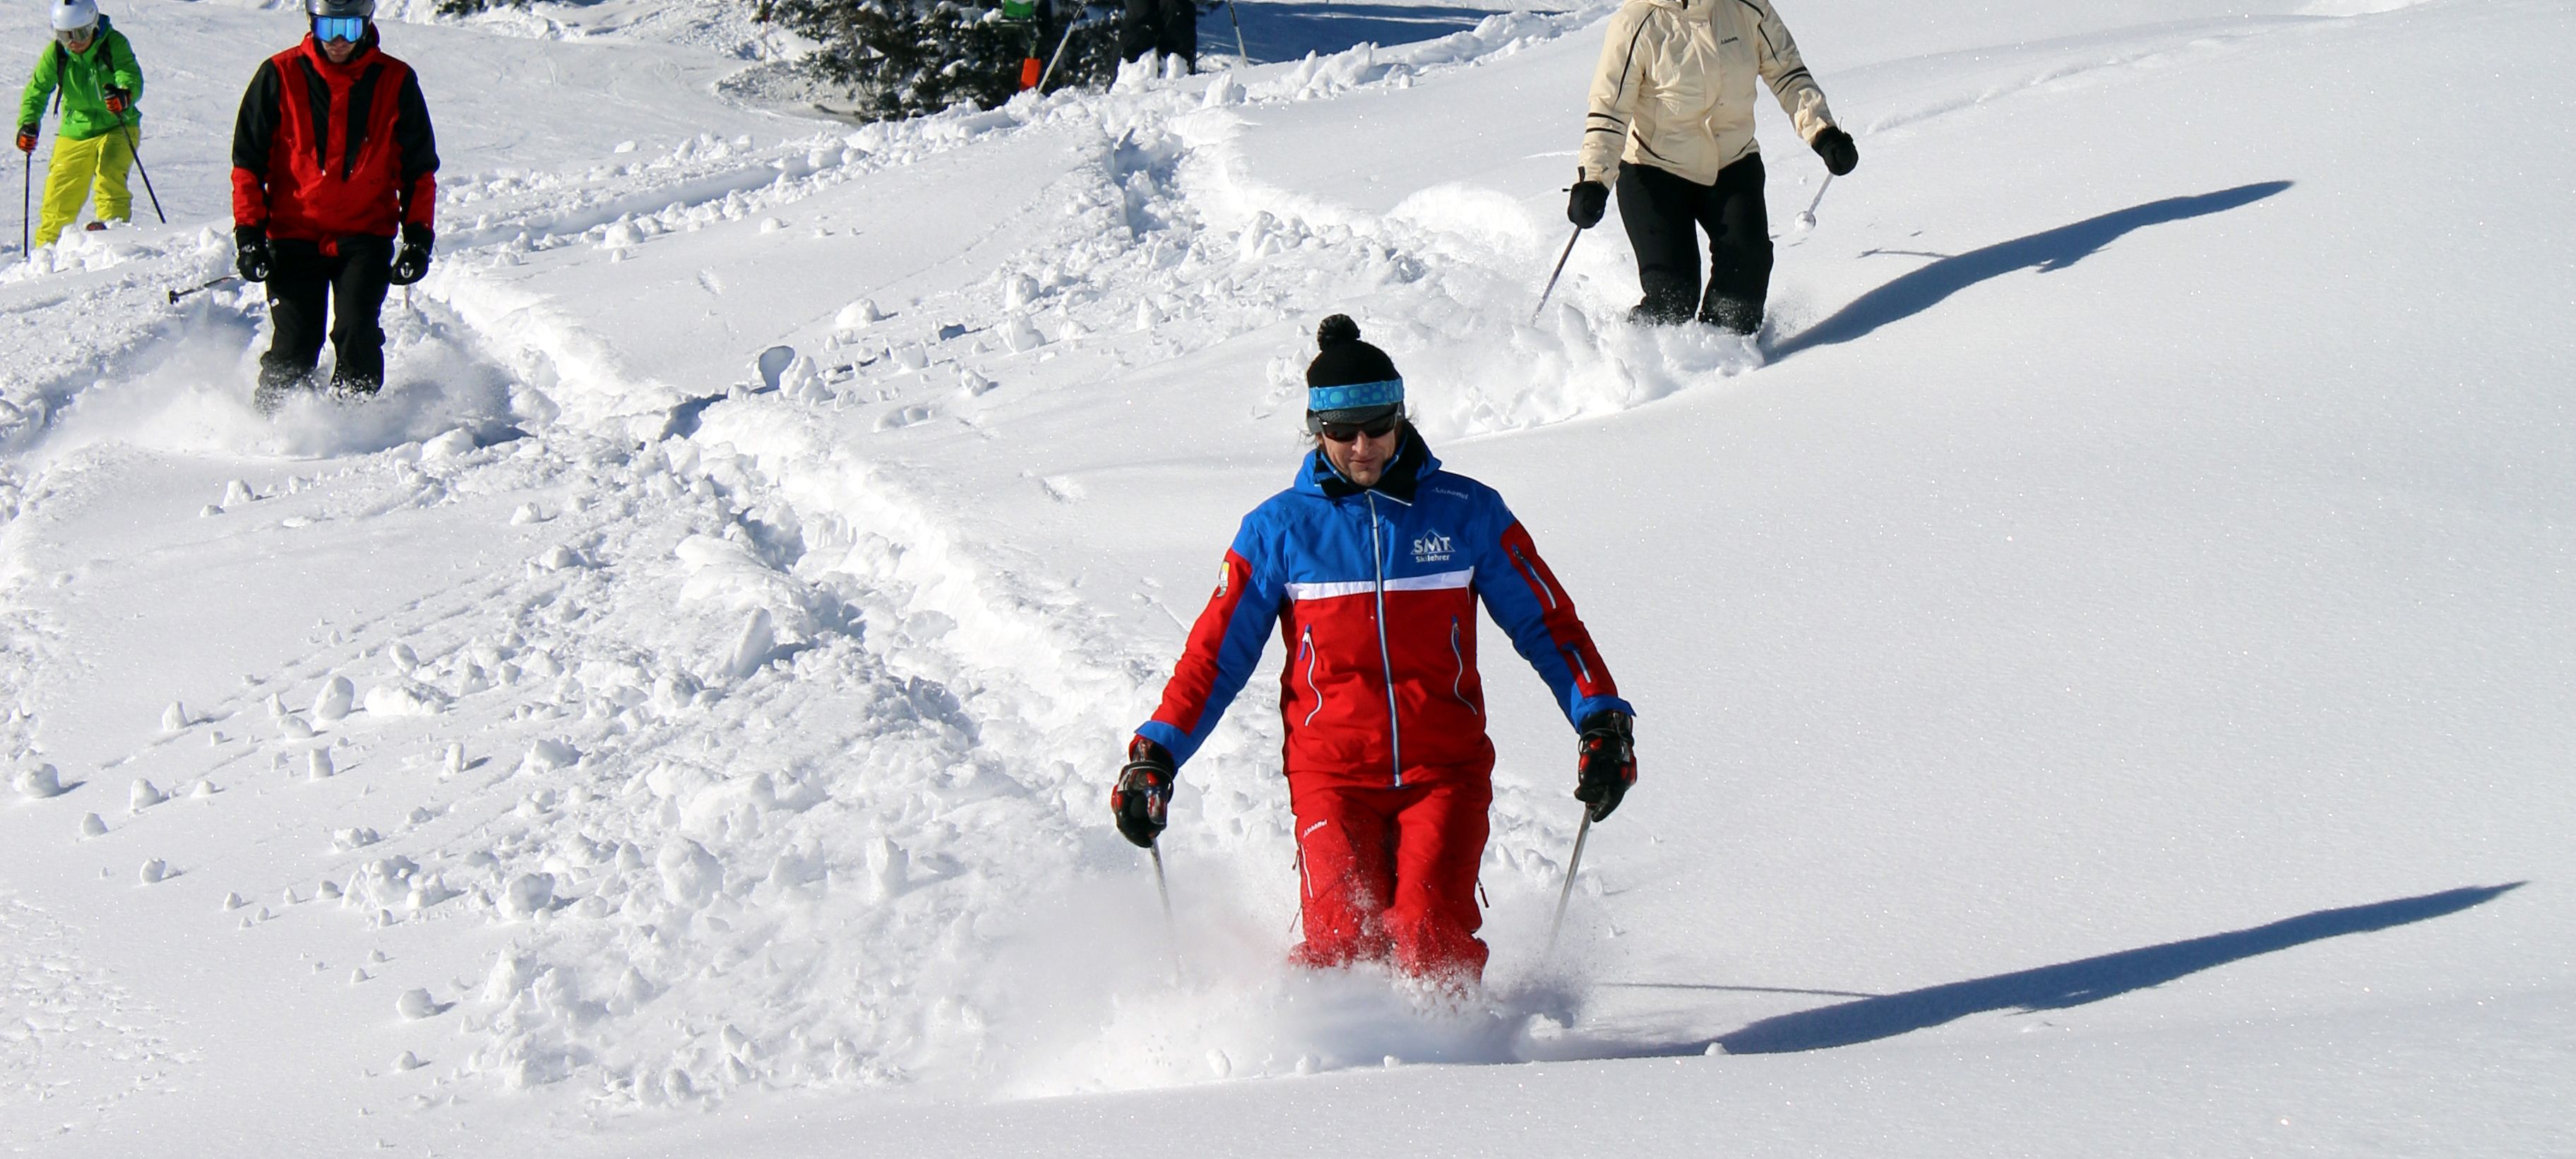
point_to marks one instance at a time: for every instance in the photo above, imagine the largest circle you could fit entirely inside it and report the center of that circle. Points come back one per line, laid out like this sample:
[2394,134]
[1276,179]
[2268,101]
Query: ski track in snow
[683,918]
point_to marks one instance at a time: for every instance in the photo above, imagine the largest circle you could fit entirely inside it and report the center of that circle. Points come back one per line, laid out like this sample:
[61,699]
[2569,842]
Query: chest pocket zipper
[1459,654]
[1306,652]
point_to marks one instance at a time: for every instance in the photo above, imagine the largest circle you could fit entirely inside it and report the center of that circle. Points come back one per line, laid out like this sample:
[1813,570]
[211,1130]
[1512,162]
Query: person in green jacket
[90,75]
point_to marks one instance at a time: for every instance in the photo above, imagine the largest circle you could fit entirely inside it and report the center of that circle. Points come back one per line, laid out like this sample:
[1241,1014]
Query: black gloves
[1836,147]
[1605,762]
[411,264]
[1144,793]
[1586,202]
[250,252]
[117,100]
[27,137]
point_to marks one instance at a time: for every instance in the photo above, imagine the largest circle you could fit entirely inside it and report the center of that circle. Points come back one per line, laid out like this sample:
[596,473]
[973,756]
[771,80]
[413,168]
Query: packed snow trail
[560,761]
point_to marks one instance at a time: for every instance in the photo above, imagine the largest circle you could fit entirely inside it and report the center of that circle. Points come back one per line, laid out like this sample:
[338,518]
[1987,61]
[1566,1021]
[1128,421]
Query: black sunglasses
[1345,432]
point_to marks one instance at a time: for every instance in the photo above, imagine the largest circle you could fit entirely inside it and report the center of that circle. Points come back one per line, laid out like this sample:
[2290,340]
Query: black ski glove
[412,263]
[1836,147]
[1586,202]
[1605,762]
[116,99]
[250,253]
[1143,798]
[27,137]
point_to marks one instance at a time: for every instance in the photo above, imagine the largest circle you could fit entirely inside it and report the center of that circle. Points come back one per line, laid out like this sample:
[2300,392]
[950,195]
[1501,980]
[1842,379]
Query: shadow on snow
[2046,251]
[2059,986]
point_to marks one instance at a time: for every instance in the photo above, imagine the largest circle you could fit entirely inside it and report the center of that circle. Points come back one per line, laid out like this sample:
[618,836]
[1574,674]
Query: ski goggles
[75,37]
[1377,428]
[350,28]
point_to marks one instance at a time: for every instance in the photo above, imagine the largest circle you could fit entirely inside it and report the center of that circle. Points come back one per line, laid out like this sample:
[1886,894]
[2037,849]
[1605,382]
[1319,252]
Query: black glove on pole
[1586,202]
[1141,802]
[1605,762]
[1836,147]
[250,253]
[411,264]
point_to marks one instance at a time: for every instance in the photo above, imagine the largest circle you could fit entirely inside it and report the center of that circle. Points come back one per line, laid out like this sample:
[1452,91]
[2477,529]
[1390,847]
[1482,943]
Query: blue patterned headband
[1355,395]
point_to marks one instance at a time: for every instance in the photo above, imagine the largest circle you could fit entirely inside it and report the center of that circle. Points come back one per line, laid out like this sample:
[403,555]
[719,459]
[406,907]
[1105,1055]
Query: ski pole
[1171,926]
[1807,220]
[1061,43]
[1542,308]
[1572,863]
[134,149]
[1241,53]
[175,295]
[27,209]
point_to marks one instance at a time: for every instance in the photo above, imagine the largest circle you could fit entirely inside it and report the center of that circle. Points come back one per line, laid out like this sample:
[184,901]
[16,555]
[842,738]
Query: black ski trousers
[302,281]
[1170,27]
[1665,214]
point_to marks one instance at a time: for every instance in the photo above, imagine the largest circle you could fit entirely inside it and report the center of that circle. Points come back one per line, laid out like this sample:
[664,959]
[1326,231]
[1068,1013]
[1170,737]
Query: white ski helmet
[75,15]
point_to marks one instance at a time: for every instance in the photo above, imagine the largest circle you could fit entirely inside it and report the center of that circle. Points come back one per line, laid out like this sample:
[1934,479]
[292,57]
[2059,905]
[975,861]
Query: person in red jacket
[333,159]
[1372,565]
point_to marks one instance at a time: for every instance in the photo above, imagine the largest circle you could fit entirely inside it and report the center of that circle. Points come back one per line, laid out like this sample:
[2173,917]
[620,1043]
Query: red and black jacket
[323,151]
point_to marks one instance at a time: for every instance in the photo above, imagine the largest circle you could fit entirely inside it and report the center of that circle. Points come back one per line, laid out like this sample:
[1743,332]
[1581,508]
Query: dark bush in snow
[901,58]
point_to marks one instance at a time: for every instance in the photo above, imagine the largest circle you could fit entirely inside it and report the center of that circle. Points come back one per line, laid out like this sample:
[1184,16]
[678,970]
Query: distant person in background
[1371,564]
[332,159]
[1170,27]
[1671,124]
[89,75]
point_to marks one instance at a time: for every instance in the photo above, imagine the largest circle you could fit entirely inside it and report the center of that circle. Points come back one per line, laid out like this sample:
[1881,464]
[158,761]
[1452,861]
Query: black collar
[1403,473]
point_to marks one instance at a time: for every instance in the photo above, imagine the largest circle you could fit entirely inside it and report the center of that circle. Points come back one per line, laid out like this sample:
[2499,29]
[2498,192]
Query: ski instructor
[1671,124]
[332,160]
[1371,564]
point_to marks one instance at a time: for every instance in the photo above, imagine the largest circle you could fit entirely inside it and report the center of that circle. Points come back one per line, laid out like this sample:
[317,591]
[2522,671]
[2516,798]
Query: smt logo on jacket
[1432,548]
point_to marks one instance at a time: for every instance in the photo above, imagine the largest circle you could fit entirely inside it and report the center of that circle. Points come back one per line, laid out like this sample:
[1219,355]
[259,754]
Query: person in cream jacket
[1670,127]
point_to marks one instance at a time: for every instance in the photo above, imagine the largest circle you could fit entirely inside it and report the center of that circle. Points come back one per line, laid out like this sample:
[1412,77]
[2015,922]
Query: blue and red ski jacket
[1374,591]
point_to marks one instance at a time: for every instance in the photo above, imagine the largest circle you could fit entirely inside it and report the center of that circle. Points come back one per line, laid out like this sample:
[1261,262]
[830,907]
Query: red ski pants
[1389,873]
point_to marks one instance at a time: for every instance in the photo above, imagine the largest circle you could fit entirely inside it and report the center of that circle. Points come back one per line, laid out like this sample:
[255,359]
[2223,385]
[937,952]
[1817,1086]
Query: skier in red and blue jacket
[1371,565]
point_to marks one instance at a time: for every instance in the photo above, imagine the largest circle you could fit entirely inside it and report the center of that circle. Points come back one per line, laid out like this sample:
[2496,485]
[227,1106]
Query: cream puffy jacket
[1675,87]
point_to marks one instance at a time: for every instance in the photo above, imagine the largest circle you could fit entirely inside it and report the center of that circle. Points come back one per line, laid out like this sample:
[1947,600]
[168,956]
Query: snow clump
[527,895]
[40,781]
[334,700]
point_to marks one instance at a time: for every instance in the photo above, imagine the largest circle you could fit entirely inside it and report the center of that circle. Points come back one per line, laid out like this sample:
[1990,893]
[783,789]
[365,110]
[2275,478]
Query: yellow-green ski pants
[100,161]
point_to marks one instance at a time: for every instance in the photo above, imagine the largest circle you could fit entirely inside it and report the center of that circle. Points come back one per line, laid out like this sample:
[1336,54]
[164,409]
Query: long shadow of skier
[2076,983]
[2049,250]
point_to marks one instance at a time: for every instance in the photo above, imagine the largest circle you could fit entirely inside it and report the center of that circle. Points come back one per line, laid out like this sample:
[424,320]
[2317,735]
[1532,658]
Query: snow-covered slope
[2103,681]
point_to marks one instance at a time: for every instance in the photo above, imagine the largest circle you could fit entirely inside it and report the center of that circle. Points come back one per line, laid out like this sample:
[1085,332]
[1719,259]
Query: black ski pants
[1170,27]
[1665,214]
[302,281]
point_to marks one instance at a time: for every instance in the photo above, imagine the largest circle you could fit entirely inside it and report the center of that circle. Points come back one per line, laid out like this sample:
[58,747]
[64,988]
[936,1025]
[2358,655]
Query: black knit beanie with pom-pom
[1349,381]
